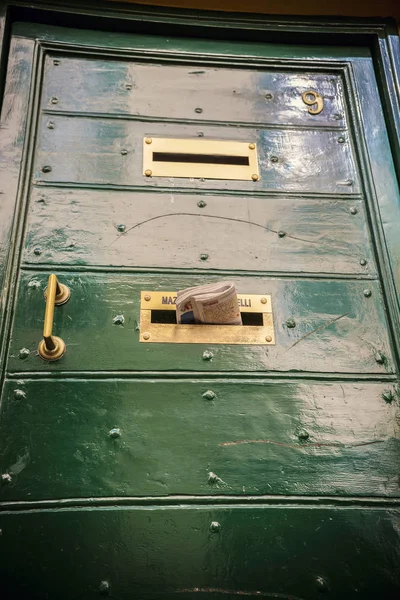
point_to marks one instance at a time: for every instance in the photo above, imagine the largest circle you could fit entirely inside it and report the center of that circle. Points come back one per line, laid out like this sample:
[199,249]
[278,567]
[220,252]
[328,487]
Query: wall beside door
[357,8]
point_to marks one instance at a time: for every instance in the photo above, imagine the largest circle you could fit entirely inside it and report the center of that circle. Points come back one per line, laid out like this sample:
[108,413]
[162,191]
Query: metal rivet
[34,284]
[201,204]
[50,125]
[254,177]
[148,140]
[363,262]
[269,96]
[263,301]
[54,100]
[268,338]
[56,62]
[37,251]
[207,355]
[380,358]
[119,320]
[19,394]
[215,527]
[367,293]
[274,159]
[341,140]
[204,256]
[213,478]
[290,323]
[303,434]
[281,233]
[6,478]
[198,110]
[46,169]
[209,395]
[146,336]
[388,396]
[147,297]
[321,584]
[114,433]
[121,228]
[24,353]
[252,146]
[124,152]
[148,172]
[353,210]
[104,588]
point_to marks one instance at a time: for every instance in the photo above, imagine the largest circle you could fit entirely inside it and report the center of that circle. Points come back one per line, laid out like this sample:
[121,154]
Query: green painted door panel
[268,96]
[86,150]
[149,471]
[290,553]
[338,328]
[281,234]
[91,438]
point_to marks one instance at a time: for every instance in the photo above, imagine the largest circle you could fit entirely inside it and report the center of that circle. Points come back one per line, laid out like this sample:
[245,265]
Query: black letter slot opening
[205,159]
[169,316]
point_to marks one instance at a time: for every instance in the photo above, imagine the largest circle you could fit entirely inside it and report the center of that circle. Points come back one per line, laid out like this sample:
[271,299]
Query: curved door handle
[52,347]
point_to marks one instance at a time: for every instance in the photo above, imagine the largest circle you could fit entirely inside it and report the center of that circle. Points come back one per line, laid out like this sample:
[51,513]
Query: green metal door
[138,469]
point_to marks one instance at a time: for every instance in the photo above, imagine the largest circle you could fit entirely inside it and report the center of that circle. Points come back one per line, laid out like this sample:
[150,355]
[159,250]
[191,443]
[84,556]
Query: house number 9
[314,101]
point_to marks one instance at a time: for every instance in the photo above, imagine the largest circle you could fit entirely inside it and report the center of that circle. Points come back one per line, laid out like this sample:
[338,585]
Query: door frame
[380,36]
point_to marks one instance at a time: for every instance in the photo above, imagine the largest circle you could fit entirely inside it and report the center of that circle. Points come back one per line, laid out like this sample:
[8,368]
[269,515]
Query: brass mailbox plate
[206,334]
[200,158]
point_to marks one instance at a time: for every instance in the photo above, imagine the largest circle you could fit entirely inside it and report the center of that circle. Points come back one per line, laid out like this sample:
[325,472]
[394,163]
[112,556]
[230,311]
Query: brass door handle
[52,347]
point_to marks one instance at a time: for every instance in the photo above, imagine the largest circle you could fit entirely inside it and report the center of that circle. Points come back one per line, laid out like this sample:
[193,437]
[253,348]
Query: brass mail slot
[158,322]
[200,158]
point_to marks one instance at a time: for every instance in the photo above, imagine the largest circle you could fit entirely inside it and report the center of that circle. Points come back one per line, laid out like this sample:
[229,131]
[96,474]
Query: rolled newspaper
[215,303]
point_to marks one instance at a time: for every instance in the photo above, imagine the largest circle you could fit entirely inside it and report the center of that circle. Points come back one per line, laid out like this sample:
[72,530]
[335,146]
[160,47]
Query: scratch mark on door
[323,326]
[184,214]
[303,446]
[238,593]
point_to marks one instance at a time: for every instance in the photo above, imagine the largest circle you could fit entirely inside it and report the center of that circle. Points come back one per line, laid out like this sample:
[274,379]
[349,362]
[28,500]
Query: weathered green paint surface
[282,234]
[257,438]
[308,161]
[275,552]
[338,329]
[126,88]
[13,123]
[142,469]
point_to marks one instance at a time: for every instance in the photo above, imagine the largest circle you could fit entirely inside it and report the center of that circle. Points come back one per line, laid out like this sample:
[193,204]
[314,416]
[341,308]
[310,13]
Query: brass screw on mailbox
[52,347]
